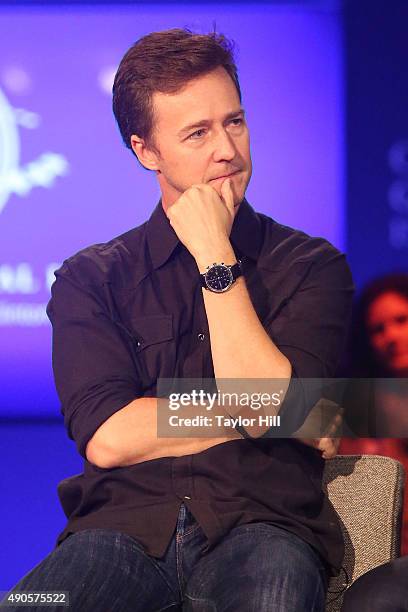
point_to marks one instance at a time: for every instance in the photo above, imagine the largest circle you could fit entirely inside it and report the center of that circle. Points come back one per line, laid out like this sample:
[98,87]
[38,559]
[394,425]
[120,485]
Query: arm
[96,380]
[203,224]
[130,436]
[235,330]
[309,331]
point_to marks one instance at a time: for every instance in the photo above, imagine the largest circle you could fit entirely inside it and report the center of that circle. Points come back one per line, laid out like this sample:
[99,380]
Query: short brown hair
[164,62]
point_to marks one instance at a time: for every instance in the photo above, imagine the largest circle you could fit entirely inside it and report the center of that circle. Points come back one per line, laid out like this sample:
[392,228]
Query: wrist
[208,257]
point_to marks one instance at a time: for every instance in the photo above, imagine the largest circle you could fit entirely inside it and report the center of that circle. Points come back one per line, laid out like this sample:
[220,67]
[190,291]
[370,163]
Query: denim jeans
[255,568]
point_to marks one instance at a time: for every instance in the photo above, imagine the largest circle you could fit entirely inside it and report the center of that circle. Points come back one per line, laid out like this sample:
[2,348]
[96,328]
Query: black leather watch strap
[236,270]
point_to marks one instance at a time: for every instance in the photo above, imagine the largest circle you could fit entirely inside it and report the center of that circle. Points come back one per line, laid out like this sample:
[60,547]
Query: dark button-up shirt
[131,310]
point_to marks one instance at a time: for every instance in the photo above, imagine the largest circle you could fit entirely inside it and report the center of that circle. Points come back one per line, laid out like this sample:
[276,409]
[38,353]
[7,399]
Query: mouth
[221,178]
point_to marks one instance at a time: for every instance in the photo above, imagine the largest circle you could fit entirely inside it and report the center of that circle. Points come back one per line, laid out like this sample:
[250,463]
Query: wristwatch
[219,277]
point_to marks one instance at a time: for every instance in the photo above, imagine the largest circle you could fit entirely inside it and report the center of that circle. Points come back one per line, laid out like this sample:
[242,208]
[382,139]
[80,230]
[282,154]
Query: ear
[147,157]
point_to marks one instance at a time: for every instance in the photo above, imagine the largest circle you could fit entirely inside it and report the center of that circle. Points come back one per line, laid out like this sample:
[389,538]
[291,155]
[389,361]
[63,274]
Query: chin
[400,370]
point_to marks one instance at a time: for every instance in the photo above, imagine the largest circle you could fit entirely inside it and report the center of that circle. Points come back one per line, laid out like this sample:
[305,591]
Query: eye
[197,134]
[401,319]
[374,330]
[237,121]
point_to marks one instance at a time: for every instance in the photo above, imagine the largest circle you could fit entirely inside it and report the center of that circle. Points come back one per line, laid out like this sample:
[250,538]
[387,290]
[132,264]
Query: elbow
[286,371]
[289,369]
[100,455]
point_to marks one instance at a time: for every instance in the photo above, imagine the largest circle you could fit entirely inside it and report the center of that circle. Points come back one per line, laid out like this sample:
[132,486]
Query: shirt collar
[246,234]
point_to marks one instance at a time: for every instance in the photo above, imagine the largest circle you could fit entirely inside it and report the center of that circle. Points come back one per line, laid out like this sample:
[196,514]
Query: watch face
[219,278]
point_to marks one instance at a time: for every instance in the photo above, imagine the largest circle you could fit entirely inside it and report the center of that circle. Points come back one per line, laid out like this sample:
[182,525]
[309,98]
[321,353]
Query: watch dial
[219,278]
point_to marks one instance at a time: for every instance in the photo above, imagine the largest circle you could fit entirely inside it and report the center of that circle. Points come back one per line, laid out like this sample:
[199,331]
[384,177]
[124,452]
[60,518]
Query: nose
[392,334]
[224,147]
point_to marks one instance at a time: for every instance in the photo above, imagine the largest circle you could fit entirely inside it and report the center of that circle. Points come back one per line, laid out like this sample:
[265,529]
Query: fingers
[329,447]
[227,195]
[335,426]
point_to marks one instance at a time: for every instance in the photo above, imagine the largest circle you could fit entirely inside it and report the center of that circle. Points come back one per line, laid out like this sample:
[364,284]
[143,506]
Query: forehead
[210,96]
[387,304]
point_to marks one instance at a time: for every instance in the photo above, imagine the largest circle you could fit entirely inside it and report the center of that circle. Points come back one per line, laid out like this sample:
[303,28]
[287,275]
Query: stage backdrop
[377,136]
[66,180]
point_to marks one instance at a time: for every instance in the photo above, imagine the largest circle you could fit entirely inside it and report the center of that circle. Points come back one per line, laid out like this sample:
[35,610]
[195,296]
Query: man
[194,523]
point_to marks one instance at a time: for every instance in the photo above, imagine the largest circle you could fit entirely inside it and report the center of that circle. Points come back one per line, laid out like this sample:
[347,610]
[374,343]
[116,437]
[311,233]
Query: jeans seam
[191,529]
[179,552]
[202,600]
[168,607]
[179,564]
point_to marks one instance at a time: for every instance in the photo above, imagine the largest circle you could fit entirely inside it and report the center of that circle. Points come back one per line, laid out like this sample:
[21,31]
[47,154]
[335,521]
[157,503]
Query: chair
[367,493]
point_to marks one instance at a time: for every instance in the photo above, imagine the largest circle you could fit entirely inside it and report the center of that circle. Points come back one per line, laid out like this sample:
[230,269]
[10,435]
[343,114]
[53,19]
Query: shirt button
[201,337]
[138,343]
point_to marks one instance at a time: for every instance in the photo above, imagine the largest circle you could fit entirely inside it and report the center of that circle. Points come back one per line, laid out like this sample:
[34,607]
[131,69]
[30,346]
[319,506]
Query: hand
[203,220]
[329,444]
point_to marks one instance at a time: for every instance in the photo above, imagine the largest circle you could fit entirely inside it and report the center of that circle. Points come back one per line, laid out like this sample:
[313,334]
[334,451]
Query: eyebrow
[206,122]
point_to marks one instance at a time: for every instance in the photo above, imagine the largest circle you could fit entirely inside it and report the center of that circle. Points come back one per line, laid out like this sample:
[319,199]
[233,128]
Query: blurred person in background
[378,349]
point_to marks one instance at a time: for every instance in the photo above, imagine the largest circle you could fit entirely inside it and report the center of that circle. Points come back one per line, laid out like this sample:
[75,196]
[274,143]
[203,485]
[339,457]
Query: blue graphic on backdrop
[398,195]
[14,178]
[20,180]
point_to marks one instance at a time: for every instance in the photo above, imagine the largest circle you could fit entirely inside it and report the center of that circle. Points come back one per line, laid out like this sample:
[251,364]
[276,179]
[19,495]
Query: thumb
[227,195]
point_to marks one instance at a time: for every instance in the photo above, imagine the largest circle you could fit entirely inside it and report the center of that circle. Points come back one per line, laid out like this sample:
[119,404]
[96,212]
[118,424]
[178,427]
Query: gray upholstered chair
[367,494]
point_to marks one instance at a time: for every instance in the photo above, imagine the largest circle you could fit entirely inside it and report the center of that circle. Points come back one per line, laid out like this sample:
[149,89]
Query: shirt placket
[182,477]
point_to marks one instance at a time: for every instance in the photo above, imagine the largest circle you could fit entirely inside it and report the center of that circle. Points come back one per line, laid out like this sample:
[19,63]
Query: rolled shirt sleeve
[311,327]
[94,369]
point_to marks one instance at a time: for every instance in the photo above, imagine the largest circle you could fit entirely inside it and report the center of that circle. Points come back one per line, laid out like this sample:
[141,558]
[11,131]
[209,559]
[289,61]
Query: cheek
[184,172]
[377,344]
[245,150]
[404,333]
[192,166]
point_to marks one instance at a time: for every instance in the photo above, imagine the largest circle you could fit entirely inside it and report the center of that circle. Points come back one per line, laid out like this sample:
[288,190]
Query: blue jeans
[255,568]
